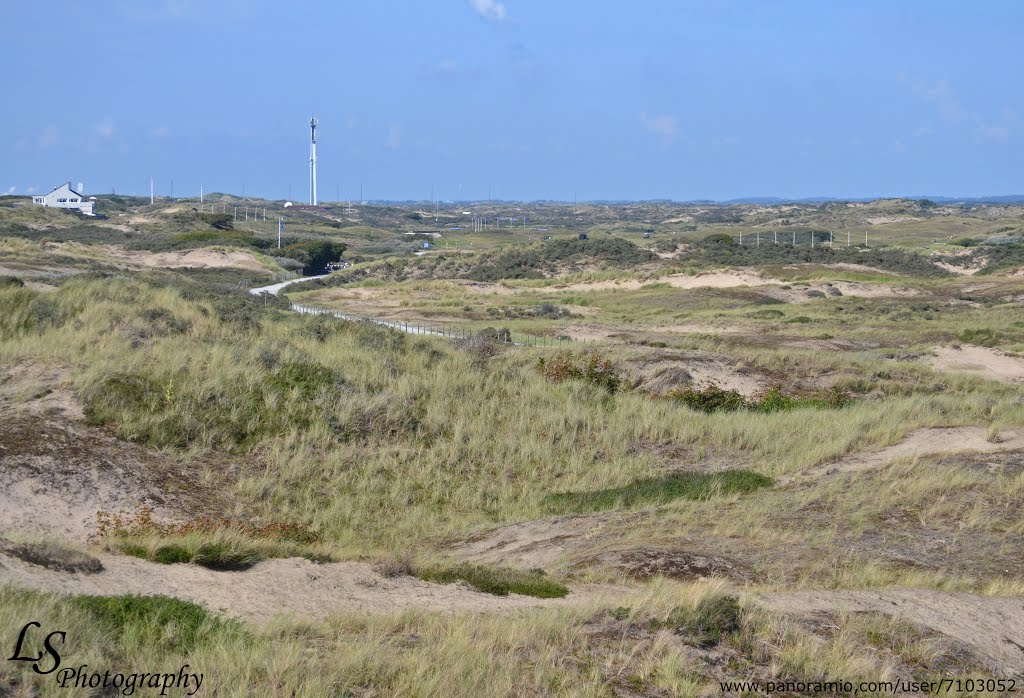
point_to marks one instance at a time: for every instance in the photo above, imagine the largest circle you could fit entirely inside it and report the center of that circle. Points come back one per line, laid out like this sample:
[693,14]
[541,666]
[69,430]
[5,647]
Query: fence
[450,332]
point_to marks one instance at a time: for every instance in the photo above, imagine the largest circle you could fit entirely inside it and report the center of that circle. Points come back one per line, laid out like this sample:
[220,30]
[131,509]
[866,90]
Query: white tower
[312,161]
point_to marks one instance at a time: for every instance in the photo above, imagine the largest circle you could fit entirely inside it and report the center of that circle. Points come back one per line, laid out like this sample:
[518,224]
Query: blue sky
[530,99]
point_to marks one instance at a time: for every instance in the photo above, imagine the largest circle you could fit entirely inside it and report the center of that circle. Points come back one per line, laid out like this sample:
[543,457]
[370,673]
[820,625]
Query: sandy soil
[270,588]
[789,293]
[58,473]
[979,361]
[661,373]
[962,271]
[921,442]
[198,258]
[991,628]
[882,220]
[711,279]
[536,544]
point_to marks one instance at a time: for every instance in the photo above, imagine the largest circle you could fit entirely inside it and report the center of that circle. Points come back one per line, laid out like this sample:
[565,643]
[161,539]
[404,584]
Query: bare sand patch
[979,361]
[963,271]
[482,287]
[882,220]
[293,587]
[711,279]
[806,292]
[662,373]
[58,472]
[537,544]
[990,627]
[921,442]
[201,258]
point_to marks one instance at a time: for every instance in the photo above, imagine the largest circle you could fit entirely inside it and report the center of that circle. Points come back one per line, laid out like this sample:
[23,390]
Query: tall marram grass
[382,441]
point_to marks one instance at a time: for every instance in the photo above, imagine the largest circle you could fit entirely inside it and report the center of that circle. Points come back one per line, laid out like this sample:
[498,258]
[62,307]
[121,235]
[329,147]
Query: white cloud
[490,10]
[394,138]
[105,128]
[49,137]
[661,125]
[30,190]
[10,191]
[161,131]
[999,134]
[947,102]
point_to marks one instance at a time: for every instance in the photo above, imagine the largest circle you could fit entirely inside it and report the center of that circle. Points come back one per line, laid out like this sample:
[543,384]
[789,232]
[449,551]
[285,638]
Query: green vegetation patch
[499,581]
[705,624]
[158,620]
[592,367]
[660,490]
[981,337]
[714,399]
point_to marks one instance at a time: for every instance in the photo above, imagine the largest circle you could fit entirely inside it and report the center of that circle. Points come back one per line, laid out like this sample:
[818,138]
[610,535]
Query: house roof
[68,185]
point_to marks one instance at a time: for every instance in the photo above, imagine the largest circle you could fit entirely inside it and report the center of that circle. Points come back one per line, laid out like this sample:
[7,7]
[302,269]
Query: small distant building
[66,197]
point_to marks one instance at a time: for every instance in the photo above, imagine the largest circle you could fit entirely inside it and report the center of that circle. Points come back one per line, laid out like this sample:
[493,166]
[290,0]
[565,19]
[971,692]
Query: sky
[515,99]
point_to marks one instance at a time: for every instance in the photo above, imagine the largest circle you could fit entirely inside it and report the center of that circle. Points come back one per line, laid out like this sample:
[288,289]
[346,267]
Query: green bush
[706,624]
[314,255]
[498,581]
[159,621]
[593,368]
[659,490]
[980,337]
[714,399]
[766,314]
[710,399]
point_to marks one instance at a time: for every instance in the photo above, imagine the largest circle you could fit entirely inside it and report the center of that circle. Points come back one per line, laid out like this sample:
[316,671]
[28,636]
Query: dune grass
[659,490]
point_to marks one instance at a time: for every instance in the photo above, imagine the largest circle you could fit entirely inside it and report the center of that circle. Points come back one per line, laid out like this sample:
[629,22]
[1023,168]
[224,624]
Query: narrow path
[409,328]
[274,288]
[991,627]
[291,586]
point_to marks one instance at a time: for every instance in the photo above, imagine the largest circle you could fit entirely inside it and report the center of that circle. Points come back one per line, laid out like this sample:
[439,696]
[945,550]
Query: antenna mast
[312,161]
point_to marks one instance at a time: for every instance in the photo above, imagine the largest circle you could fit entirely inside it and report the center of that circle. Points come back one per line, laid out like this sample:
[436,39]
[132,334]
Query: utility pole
[151,190]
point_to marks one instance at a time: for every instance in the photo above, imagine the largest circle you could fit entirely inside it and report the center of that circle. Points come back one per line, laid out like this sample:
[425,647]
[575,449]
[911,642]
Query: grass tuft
[661,490]
[499,581]
[164,621]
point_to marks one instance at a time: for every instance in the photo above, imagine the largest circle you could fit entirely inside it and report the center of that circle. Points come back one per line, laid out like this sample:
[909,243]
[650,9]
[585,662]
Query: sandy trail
[979,361]
[921,442]
[992,628]
[292,586]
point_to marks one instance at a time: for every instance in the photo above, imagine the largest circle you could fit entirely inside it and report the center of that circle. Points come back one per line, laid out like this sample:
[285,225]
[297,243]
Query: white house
[66,197]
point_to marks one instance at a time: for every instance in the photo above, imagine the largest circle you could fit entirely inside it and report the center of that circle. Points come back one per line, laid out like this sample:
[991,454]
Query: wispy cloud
[104,128]
[31,189]
[945,99]
[10,191]
[490,10]
[664,126]
[394,137]
[48,138]
[447,68]
[161,131]
[998,134]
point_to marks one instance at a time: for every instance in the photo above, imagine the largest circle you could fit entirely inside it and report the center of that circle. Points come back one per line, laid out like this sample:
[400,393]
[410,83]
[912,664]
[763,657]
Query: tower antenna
[312,161]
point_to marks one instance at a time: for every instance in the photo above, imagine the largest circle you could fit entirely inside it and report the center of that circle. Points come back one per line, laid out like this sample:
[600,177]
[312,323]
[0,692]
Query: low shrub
[980,337]
[705,624]
[710,399]
[766,314]
[53,556]
[592,367]
[158,621]
[499,581]
[660,490]
[714,399]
